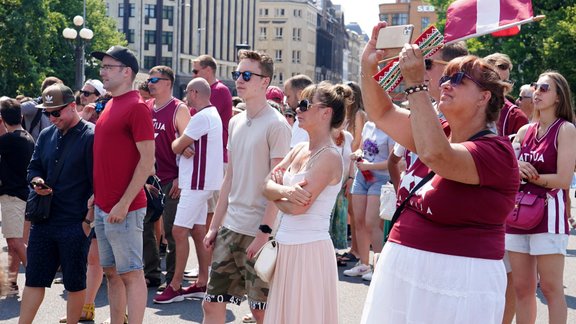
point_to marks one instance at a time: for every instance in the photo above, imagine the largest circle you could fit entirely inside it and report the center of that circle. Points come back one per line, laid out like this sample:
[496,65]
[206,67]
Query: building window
[131,10]
[167,61]
[107,9]
[130,36]
[296,34]
[263,32]
[278,56]
[149,62]
[263,12]
[295,56]
[167,39]
[400,19]
[297,12]
[279,32]
[168,13]
[280,78]
[150,11]
[279,12]
[149,38]
[425,22]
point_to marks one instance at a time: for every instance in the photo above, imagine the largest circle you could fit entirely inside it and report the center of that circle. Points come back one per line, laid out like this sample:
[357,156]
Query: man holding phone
[61,166]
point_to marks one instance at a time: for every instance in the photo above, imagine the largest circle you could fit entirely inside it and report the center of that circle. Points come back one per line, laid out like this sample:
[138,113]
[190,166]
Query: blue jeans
[120,244]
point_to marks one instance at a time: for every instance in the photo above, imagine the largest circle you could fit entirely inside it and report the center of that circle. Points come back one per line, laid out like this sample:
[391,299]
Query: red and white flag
[472,18]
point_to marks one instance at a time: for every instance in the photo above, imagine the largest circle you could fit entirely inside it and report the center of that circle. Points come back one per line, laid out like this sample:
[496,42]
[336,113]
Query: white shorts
[12,211]
[192,208]
[537,244]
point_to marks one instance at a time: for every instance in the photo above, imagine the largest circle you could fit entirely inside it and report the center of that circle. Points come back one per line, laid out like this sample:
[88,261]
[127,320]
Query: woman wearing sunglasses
[304,187]
[442,262]
[546,161]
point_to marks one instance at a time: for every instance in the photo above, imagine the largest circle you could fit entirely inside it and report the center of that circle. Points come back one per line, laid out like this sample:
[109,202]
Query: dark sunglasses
[304,105]
[456,79]
[543,87]
[155,80]
[430,62]
[503,66]
[87,93]
[524,97]
[195,71]
[246,75]
[54,113]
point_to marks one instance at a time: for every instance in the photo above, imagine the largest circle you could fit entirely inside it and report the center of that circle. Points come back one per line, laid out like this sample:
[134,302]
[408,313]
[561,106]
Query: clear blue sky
[364,12]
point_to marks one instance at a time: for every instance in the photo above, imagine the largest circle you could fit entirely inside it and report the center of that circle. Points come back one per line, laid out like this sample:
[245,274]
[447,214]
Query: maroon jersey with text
[165,132]
[542,153]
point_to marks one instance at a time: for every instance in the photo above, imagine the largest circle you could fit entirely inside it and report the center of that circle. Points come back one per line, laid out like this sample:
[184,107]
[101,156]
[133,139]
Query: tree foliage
[546,45]
[32,46]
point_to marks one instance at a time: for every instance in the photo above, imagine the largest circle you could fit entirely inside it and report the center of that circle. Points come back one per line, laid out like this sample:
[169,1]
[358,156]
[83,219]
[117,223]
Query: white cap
[97,85]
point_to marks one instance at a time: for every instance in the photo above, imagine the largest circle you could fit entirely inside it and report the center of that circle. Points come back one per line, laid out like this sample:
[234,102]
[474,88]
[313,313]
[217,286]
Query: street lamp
[80,38]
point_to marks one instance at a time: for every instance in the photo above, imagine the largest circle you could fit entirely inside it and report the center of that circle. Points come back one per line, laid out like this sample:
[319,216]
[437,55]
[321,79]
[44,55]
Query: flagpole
[499,28]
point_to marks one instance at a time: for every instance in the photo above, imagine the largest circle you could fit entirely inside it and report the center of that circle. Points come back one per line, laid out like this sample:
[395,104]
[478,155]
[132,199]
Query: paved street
[352,294]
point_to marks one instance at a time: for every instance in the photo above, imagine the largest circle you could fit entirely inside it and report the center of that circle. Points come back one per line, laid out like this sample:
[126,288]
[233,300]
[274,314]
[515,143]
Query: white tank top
[315,223]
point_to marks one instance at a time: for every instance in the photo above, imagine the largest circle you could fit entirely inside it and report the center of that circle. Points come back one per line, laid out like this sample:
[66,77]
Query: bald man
[197,184]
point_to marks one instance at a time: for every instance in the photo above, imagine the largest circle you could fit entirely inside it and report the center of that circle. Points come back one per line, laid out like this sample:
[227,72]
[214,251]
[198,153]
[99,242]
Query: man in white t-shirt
[259,138]
[197,182]
[292,89]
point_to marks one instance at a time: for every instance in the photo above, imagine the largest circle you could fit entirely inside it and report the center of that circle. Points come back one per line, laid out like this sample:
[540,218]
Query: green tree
[32,46]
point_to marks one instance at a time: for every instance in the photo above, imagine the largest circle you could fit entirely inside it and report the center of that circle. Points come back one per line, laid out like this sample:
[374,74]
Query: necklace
[249,120]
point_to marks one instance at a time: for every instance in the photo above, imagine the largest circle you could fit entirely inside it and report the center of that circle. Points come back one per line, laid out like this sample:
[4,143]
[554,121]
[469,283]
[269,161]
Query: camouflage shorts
[232,275]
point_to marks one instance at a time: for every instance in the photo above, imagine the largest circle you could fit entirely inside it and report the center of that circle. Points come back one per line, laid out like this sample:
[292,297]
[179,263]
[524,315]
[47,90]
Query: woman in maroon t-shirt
[546,161]
[443,259]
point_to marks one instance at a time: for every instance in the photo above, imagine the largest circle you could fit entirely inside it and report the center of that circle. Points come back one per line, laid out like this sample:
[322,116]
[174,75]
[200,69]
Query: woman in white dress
[304,187]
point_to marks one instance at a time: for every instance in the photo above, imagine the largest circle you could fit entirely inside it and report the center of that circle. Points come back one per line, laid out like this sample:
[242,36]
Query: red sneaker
[169,295]
[194,291]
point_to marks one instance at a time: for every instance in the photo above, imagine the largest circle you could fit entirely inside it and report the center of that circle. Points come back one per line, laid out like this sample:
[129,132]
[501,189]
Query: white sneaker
[357,271]
[367,276]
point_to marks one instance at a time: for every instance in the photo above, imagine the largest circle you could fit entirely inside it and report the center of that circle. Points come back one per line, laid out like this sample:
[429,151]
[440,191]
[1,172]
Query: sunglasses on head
[543,87]
[456,79]
[155,80]
[430,62]
[87,93]
[53,113]
[246,75]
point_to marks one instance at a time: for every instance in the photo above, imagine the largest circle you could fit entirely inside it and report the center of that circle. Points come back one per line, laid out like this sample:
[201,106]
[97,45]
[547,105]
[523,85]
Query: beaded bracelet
[417,88]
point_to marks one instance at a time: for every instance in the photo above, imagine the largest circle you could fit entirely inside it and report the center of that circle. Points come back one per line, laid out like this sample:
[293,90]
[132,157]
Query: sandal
[348,257]
[87,314]
[248,318]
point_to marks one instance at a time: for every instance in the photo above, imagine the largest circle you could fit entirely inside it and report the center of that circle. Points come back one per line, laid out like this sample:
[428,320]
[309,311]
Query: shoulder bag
[528,211]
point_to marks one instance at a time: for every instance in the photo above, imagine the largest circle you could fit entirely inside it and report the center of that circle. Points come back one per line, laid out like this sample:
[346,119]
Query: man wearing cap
[169,116]
[123,160]
[61,166]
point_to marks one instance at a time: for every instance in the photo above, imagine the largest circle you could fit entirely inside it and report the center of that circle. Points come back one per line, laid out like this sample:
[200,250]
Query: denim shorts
[368,188]
[51,246]
[120,244]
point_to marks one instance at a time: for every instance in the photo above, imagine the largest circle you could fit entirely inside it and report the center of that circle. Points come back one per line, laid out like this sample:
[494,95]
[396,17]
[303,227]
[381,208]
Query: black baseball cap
[121,54]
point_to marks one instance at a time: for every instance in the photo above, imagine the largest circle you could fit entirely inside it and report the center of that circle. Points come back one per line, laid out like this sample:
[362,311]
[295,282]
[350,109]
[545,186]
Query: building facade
[286,30]
[403,12]
[174,32]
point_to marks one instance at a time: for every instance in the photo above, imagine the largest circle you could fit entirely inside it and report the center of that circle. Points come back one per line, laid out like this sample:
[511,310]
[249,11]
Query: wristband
[89,222]
[265,229]
[417,88]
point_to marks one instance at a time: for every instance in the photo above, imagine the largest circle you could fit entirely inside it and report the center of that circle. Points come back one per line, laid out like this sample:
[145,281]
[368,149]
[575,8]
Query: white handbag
[266,260]
[387,201]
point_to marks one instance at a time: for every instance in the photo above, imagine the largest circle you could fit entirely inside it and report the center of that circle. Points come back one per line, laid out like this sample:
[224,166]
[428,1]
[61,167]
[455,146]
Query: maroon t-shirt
[454,218]
[125,121]
[542,153]
[222,100]
[164,120]
[511,119]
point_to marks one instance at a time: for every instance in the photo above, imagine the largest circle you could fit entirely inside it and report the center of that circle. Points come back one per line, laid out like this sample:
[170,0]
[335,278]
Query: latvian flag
[472,18]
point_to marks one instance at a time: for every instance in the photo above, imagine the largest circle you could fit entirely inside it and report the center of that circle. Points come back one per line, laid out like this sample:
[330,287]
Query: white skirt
[415,286]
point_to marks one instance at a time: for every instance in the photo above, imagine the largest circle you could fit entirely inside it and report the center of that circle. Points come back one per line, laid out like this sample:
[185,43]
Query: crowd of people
[130,167]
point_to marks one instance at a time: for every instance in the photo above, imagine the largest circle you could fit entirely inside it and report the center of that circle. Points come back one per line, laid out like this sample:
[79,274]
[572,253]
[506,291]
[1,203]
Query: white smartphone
[394,36]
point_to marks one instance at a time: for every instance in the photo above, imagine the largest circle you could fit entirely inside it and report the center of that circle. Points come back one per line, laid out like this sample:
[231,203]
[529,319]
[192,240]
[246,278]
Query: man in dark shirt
[16,147]
[62,240]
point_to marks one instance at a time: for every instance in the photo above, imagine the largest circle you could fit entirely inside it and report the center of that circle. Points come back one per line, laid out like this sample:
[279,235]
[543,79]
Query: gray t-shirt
[376,145]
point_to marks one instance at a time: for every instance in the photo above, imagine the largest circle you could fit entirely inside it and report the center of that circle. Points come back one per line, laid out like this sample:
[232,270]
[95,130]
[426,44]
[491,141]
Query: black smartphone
[42,185]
